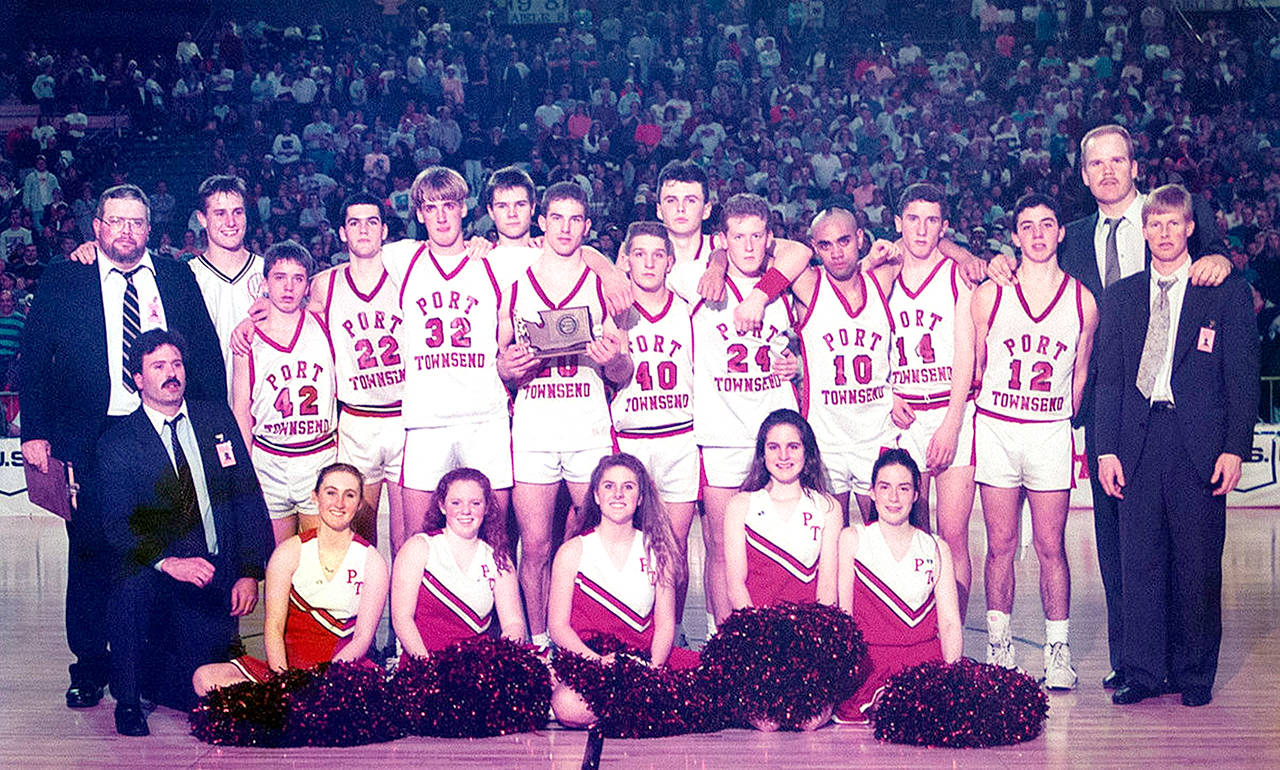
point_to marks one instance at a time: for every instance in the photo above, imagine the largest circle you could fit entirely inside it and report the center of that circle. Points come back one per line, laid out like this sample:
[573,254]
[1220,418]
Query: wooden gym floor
[1240,728]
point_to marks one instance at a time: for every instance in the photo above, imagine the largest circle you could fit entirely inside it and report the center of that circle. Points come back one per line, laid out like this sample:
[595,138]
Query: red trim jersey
[1031,358]
[562,406]
[609,600]
[454,603]
[924,346]
[783,549]
[846,357]
[293,390]
[658,401]
[370,369]
[893,605]
[322,611]
[734,385]
[449,341]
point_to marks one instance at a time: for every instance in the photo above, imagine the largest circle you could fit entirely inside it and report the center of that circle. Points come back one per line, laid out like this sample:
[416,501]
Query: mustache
[171,381]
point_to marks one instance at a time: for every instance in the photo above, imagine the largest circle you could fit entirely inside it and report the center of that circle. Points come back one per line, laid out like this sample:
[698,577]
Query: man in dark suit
[187,528]
[1177,395]
[74,382]
[1099,250]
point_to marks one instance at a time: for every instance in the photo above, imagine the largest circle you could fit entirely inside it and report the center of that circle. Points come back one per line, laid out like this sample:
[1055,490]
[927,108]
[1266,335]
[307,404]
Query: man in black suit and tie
[1099,250]
[74,381]
[1177,395]
[187,528]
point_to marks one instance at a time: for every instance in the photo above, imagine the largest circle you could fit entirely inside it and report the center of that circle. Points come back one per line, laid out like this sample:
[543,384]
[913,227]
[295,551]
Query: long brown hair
[650,517]
[493,530]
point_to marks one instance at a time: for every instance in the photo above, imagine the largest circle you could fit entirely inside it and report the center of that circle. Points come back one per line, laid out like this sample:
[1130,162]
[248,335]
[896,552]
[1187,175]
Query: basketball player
[360,306]
[283,394]
[846,336]
[683,207]
[1032,345]
[510,192]
[653,412]
[455,409]
[229,276]
[932,362]
[561,426]
[739,378]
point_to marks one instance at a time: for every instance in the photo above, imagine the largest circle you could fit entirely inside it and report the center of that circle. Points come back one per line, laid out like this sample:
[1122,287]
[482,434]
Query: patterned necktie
[132,322]
[1157,342]
[1111,267]
[188,522]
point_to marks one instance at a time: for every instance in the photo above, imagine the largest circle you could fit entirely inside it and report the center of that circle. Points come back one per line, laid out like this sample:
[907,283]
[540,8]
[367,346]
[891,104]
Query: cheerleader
[448,581]
[781,531]
[616,576]
[898,583]
[325,590]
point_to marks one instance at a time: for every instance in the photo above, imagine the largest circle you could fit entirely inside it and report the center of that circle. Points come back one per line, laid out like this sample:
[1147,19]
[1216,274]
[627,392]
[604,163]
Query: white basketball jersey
[658,401]
[510,262]
[734,385]
[228,297]
[562,406]
[293,390]
[338,596]
[1031,358]
[685,274]
[846,358]
[449,341]
[363,327]
[924,344]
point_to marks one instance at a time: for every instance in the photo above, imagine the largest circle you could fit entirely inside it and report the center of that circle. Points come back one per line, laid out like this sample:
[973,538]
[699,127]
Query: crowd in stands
[806,106]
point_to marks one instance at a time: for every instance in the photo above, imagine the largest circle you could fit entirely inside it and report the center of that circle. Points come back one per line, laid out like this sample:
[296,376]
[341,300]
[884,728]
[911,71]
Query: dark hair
[683,171]
[290,251]
[220,183]
[893,457]
[923,191]
[332,468]
[813,476]
[493,530]
[564,191]
[123,192]
[1030,201]
[508,177]
[147,342]
[650,516]
[743,205]
[651,229]
[363,198]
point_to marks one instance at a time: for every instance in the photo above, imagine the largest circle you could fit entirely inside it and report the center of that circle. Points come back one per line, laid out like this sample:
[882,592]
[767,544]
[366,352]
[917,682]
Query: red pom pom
[959,705]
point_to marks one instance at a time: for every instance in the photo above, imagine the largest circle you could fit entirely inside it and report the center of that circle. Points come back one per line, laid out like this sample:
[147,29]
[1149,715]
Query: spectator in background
[14,237]
[11,322]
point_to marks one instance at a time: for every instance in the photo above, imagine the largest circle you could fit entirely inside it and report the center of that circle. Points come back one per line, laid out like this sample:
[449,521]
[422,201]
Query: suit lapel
[1140,318]
[1189,323]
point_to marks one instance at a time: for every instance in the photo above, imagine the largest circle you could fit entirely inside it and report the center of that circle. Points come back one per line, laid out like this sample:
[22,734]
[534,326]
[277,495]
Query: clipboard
[54,491]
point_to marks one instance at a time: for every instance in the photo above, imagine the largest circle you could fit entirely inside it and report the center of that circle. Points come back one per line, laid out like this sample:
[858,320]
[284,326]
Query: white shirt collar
[105,266]
[1132,214]
[158,419]
[1182,275]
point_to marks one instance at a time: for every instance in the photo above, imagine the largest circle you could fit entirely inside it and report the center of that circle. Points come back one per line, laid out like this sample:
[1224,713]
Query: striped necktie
[131,320]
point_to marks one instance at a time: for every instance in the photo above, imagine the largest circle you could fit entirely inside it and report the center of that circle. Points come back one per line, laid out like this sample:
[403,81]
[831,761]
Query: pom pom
[248,713]
[959,705]
[347,704]
[490,687]
[477,688]
[785,664]
[415,694]
[632,699]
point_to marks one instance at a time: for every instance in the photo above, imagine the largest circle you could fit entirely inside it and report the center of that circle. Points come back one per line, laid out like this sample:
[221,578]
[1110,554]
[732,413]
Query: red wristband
[773,283]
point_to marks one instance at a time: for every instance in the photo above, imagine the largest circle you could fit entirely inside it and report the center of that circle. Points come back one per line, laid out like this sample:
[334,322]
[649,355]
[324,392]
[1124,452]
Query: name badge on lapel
[1205,341]
[225,456]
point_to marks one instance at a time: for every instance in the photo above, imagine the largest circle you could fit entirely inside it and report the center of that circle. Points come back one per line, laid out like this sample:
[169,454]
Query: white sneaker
[1001,652]
[1058,673]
